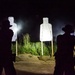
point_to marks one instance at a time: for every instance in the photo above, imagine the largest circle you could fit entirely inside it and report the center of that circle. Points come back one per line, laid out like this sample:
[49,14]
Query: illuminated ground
[27,64]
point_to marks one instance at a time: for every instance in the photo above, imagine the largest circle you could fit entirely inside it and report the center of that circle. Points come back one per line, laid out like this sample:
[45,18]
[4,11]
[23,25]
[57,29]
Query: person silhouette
[5,49]
[64,54]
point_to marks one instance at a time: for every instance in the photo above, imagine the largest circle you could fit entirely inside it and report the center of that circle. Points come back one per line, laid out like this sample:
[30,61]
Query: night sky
[29,14]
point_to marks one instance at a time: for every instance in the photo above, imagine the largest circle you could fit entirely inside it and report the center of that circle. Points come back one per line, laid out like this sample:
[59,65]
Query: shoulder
[59,36]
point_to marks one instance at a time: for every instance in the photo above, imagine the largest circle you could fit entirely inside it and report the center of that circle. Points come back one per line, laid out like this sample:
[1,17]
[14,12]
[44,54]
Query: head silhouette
[68,28]
[5,24]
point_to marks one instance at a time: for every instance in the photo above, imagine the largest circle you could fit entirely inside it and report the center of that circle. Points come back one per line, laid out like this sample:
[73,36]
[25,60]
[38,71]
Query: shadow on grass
[19,72]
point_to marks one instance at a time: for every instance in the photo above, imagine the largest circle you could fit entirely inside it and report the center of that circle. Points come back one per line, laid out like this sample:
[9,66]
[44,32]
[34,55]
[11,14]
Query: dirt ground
[27,64]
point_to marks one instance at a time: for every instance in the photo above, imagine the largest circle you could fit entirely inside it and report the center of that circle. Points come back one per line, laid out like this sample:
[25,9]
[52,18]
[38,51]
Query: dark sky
[31,12]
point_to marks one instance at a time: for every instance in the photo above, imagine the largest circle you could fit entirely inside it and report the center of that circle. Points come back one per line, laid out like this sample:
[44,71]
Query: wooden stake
[42,47]
[52,47]
[16,48]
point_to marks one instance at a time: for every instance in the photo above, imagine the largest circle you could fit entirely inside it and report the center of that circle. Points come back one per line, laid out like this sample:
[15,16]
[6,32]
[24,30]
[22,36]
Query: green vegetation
[33,47]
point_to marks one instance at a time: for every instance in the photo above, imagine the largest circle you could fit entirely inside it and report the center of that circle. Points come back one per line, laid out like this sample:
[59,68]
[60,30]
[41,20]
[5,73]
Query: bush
[33,48]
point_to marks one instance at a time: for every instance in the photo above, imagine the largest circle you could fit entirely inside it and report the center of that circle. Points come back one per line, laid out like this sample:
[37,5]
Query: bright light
[19,27]
[45,30]
[14,28]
